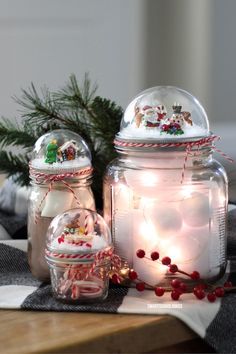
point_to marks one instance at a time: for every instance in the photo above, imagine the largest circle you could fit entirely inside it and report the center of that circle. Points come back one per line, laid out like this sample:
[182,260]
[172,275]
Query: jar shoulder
[216,170]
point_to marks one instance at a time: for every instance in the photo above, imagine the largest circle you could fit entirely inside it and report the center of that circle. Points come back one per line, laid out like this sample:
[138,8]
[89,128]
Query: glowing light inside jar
[149,179]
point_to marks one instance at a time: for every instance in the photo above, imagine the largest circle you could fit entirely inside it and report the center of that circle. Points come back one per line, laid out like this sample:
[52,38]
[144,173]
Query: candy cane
[75,292]
[89,223]
[89,288]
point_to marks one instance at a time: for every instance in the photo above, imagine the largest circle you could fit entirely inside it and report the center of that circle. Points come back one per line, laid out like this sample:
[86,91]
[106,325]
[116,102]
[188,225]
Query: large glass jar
[165,192]
[60,172]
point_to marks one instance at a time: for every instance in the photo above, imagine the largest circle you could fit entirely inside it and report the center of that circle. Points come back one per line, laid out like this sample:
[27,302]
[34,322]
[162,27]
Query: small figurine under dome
[176,124]
[149,116]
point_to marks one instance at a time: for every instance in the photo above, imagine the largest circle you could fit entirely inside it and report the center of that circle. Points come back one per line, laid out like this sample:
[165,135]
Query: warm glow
[187,191]
[174,253]
[147,231]
[146,203]
[149,179]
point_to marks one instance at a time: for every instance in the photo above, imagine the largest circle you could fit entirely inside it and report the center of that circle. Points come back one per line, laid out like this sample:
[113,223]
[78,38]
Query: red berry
[140,253]
[175,283]
[159,291]
[166,260]
[219,292]
[140,286]
[183,286]
[211,297]
[175,294]
[195,275]
[133,275]
[115,279]
[200,294]
[154,256]
[173,268]
[228,284]
[201,286]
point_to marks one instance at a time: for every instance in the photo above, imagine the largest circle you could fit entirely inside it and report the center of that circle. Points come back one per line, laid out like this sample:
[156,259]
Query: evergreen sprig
[15,165]
[78,109]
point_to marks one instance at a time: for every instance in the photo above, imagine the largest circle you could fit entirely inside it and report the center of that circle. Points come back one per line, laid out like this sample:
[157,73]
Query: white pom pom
[195,210]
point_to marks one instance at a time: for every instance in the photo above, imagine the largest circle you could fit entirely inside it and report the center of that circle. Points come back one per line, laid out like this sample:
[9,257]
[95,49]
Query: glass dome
[78,231]
[60,150]
[164,113]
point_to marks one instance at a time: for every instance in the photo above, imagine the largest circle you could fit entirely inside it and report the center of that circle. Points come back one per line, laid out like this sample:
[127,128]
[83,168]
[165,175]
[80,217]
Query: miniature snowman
[176,124]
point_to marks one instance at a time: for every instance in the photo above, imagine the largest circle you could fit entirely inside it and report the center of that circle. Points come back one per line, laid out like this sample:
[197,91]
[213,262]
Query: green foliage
[15,165]
[78,109]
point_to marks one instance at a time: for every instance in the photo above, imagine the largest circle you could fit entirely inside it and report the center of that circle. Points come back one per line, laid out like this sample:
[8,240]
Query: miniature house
[68,151]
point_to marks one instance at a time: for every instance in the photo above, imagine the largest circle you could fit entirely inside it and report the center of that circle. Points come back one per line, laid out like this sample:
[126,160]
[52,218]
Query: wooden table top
[63,332]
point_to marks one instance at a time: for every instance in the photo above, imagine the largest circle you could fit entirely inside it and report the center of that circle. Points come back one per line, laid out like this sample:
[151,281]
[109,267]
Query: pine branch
[106,118]
[38,109]
[74,97]
[12,134]
[15,165]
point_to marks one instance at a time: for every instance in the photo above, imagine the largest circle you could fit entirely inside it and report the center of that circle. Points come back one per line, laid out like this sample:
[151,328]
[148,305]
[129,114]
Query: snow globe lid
[60,151]
[164,114]
[77,232]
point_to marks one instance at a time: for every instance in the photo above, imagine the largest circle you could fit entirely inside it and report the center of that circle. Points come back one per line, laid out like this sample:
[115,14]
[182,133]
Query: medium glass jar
[165,192]
[56,187]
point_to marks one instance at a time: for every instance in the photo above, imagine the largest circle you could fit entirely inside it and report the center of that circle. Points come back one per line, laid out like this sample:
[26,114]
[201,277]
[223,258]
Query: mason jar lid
[162,115]
[60,151]
[78,236]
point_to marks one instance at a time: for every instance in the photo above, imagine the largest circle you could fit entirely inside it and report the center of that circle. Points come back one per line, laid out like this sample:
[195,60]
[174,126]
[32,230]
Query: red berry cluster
[177,287]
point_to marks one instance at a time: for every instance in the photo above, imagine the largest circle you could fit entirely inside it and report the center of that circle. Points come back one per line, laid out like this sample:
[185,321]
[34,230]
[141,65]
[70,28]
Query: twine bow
[42,177]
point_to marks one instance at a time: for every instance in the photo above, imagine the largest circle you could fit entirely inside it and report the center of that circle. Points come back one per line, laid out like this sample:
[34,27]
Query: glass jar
[56,187]
[148,208]
[165,192]
[78,252]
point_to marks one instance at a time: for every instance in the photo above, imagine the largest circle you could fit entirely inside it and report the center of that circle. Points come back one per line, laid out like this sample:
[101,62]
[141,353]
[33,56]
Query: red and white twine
[96,256]
[79,279]
[189,145]
[41,177]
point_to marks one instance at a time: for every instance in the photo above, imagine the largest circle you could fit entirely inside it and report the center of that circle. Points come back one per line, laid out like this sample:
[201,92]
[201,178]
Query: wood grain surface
[24,332]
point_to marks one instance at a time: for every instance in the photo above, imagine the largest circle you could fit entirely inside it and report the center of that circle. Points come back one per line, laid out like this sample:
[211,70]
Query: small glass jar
[165,192]
[78,252]
[61,175]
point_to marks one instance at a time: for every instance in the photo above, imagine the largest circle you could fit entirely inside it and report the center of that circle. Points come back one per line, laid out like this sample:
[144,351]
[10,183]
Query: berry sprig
[176,287]
[173,268]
